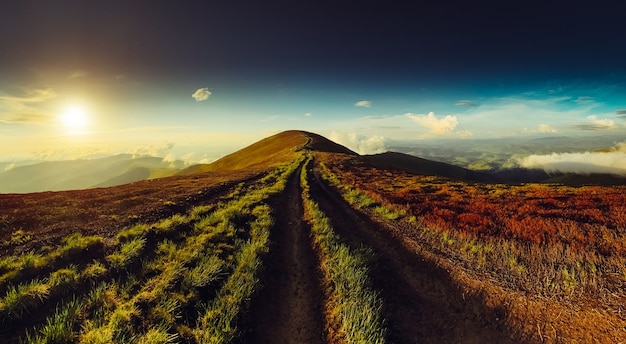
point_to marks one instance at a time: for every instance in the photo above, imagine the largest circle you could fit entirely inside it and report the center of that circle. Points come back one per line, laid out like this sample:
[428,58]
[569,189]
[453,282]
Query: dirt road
[421,304]
[289,308]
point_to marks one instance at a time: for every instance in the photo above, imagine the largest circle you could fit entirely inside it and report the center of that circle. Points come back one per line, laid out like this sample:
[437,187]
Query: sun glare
[74,117]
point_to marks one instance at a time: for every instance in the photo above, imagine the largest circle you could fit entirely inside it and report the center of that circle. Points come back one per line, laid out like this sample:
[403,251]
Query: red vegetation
[584,218]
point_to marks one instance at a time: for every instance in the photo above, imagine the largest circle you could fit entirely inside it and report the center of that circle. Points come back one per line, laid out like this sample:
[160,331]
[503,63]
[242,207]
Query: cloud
[621,112]
[169,158]
[363,103]
[466,103]
[546,129]
[270,118]
[201,94]
[596,124]
[584,100]
[612,161]
[24,108]
[30,96]
[601,122]
[464,134]
[437,126]
[308,114]
[153,150]
[360,143]
[77,74]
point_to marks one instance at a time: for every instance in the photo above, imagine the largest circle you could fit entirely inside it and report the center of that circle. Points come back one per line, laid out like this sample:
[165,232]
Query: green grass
[19,300]
[356,307]
[127,253]
[59,327]
[185,278]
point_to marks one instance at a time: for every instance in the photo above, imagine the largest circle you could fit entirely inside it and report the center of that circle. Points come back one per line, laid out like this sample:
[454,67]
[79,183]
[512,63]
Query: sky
[197,79]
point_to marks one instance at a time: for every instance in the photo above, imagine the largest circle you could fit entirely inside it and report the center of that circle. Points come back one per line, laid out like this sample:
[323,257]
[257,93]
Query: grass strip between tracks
[353,307]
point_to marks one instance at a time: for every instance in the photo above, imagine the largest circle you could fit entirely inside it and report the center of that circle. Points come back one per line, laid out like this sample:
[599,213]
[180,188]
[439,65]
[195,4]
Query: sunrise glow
[74,118]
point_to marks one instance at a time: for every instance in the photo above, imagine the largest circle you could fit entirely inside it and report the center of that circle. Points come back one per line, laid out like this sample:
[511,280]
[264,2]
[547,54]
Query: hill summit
[279,148]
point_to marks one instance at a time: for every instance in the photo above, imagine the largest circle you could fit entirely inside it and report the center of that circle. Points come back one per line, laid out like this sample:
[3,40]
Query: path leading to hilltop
[421,303]
[289,309]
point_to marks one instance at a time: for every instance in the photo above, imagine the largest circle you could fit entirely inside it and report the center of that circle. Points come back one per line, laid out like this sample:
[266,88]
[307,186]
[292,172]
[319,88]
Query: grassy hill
[418,247]
[276,149]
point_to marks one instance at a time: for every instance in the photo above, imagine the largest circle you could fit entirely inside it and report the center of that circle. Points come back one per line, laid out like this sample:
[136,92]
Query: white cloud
[435,125]
[201,94]
[308,114]
[360,143]
[546,129]
[612,161]
[596,124]
[153,150]
[170,157]
[363,103]
[609,123]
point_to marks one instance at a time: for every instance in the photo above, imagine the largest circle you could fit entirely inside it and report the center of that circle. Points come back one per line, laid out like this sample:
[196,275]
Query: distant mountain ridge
[85,173]
[279,148]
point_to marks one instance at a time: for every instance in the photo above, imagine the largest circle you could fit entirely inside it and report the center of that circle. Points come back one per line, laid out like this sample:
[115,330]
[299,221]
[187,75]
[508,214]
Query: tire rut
[422,304]
[289,308]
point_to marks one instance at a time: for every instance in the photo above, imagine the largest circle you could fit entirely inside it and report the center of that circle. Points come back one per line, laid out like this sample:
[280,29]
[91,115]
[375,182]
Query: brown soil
[49,216]
[289,308]
[421,302]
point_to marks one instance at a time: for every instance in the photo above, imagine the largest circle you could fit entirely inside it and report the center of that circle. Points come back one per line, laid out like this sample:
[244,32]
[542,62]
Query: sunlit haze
[197,80]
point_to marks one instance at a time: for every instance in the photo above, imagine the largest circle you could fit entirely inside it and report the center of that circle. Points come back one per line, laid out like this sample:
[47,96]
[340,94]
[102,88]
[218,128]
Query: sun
[74,117]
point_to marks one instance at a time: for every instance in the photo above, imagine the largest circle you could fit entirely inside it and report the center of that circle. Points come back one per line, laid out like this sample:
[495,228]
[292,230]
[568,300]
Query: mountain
[276,149]
[412,164]
[279,148]
[83,174]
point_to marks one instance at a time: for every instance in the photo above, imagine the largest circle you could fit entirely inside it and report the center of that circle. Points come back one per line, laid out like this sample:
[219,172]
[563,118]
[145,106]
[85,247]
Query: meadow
[183,278]
[551,255]
[391,256]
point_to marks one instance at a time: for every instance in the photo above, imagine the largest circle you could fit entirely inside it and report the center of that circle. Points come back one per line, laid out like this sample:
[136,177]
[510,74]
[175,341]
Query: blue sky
[372,73]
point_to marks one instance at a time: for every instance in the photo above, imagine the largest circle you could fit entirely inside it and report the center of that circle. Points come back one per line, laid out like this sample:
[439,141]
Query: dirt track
[421,304]
[289,309]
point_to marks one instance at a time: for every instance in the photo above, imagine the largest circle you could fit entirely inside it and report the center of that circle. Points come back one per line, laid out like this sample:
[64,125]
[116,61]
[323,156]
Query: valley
[296,239]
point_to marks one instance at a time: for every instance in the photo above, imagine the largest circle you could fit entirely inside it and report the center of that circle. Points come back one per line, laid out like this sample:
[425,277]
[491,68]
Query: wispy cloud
[29,96]
[24,107]
[363,103]
[436,125]
[308,114]
[621,114]
[596,124]
[77,74]
[201,94]
[585,100]
[270,118]
[466,103]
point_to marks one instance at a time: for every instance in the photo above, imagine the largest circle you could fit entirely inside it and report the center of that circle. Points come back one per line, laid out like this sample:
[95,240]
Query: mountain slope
[417,165]
[276,149]
[83,174]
